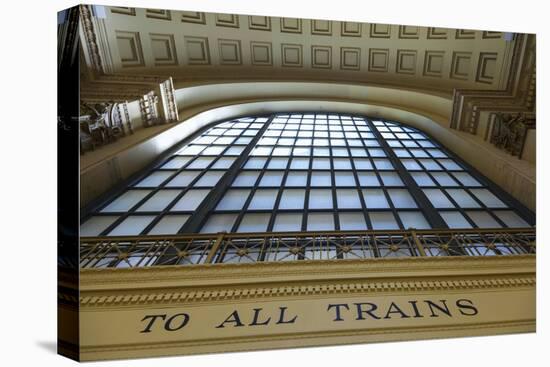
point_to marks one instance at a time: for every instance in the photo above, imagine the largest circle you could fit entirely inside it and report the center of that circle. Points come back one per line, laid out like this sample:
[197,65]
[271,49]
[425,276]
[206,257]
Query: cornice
[170,285]
[223,294]
[518,96]
[101,79]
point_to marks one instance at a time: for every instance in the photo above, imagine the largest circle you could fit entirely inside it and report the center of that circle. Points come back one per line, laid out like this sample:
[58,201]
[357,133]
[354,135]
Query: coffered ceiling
[195,47]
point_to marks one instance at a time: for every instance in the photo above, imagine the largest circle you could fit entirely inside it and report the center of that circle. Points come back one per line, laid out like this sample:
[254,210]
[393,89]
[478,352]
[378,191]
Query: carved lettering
[395,309]
[415,309]
[444,309]
[150,324]
[361,311]
[261,316]
[232,318]
[255,321]
[173,319]
[173,323]
[282,317]
[337,308]
[466,304]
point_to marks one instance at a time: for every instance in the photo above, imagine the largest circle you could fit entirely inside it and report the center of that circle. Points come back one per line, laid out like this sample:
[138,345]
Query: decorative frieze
[100,124]
[129,125]
[183,310]
[168,95]
[90,37]
[148,109]
[515,100]
[510,130]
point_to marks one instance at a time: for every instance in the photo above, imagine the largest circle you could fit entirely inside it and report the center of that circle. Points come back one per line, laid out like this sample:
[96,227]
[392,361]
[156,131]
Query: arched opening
[306,172]
[294,177]
[303,173]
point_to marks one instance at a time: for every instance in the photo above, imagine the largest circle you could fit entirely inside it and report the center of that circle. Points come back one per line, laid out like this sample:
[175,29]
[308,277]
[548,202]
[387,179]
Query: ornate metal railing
[143,251]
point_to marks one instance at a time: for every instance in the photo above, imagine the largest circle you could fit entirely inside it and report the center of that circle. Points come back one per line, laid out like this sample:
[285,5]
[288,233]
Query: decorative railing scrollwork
[189,249]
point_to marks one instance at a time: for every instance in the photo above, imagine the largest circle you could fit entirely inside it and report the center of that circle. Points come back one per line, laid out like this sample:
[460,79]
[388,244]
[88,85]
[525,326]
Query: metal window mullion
[200,215]
[275,210]
[364,209]
[113,194]
[191,185]
[126,214]
[333,186]
[335,205]
[443,190]
[241,212]
[159,215]
[432,216]
[308,186]
[489,210]
[458,249]
[184,190]
[384,188]
[282,187]
[462,210]
[399,169]
[482,207]
[425,204]
[512,203]
[356,175]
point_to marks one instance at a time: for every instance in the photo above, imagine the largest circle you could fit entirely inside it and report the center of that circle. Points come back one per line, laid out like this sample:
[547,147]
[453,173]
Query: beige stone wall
[116,304]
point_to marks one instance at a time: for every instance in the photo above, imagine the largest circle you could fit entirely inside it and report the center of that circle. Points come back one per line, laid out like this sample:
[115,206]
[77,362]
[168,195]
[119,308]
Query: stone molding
[518,96]
[123,296]
[165,285]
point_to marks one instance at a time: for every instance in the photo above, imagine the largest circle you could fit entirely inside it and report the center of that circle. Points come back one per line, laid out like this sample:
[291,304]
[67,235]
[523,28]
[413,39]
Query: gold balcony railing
[190,249]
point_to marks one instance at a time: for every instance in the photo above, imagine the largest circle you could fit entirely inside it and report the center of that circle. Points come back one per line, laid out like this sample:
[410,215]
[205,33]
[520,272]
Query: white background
[28,193]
